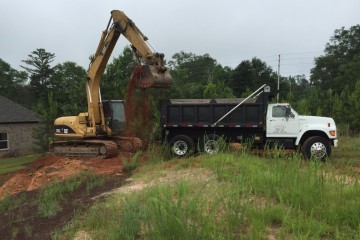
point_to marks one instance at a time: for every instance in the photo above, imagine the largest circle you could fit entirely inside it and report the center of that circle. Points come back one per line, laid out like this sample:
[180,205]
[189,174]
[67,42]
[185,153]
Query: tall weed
[51,195]
[131,165]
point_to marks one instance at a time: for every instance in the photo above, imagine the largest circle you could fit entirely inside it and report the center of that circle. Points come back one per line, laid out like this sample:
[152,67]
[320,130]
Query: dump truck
[189,124]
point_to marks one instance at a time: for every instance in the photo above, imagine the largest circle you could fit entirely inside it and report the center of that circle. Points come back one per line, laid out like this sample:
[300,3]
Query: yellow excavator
[100,132]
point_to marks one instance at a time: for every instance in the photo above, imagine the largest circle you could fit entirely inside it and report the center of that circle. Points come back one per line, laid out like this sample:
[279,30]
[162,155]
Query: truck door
[282,122]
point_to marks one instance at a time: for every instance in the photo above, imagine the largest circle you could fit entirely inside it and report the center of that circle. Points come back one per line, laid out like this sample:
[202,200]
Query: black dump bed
[206,112]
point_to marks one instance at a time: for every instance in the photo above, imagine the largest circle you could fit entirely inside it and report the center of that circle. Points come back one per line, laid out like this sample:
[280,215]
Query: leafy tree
[300,86]
[302,106]
[217,90]
[67,85]
[44,134]
[350,73]
[252,74]
[117,74]
[336,74]
[11,82]
[191,73]
[340,63]
[354,102]
[39,70]
[342,109]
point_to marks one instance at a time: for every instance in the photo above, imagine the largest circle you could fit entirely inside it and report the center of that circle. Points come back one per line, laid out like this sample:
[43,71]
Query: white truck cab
[315,135]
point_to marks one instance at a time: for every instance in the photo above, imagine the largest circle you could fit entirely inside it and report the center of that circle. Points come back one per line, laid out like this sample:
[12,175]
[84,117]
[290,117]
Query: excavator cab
[114,113]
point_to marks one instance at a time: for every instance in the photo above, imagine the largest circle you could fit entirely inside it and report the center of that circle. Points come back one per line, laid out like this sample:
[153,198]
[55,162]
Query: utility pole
[278,85]
[290,88]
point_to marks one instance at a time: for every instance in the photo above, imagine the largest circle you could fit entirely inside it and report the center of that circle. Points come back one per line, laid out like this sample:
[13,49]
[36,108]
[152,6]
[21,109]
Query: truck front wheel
[181,145]
[317,148]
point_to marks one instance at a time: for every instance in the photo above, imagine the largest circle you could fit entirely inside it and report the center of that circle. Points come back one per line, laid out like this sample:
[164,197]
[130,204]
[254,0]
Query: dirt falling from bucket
[137,108]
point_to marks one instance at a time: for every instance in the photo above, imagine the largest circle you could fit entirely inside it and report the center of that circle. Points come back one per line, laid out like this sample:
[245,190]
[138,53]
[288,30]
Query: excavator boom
[154,72]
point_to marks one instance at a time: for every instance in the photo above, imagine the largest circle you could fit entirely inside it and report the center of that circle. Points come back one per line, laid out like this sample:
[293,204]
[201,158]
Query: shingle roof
[11,112]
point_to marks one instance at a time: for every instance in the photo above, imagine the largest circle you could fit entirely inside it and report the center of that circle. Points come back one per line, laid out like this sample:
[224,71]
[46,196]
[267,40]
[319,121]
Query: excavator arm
[153,73]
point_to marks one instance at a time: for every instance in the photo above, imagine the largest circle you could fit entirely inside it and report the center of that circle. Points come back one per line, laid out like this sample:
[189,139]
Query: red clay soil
[26,184]
[51,168]
[25,222]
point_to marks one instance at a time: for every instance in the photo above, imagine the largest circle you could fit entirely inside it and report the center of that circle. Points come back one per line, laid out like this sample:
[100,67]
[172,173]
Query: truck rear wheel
[181,145]
[317,148]
[210,144]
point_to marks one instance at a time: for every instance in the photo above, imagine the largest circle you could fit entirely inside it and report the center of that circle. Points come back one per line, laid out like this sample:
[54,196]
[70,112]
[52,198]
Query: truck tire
[316,148]
[210,144]
[181,145]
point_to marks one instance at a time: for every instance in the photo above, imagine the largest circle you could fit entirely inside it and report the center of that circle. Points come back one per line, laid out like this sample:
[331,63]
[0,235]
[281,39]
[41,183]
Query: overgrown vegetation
[51,195]
[245,197]
[130,166]
[347,154]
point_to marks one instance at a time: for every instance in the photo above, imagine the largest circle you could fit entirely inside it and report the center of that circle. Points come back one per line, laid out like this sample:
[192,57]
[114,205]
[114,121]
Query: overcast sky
[229,31]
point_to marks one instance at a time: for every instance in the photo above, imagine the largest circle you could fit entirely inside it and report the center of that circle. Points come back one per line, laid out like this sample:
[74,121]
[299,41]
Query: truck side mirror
[287,112]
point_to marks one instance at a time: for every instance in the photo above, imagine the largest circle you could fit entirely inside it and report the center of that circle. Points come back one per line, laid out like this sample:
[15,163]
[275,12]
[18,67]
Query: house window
[4,141]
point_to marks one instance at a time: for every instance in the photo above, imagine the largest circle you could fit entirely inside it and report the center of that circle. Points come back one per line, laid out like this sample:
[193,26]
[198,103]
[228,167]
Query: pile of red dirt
[49,168]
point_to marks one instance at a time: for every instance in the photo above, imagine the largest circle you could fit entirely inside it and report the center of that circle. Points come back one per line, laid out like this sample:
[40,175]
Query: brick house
[16,127]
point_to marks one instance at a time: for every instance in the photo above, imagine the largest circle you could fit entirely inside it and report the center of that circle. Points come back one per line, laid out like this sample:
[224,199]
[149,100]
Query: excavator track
[85,149]
[96,148]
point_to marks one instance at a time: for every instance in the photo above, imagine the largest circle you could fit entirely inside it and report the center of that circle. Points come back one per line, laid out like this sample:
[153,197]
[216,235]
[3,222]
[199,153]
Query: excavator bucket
[148,76]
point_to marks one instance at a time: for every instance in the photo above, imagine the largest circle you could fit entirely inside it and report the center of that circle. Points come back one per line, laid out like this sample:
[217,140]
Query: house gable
[11,112]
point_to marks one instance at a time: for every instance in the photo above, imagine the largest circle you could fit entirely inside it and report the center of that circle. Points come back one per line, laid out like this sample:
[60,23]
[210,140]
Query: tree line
[333,88]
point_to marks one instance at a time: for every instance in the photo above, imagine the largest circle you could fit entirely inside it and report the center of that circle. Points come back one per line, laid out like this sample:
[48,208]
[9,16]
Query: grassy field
[232,195]
[347,154]
[12,164]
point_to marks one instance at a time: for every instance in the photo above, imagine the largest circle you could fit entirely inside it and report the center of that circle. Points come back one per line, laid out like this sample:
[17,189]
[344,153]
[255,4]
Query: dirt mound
[31,224]
[42,161]
[50,168]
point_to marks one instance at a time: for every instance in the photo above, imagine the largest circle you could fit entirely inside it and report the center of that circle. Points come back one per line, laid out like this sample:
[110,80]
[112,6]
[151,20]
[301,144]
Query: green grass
[8,165]
[247,197]
[51,195]
[348,152]
[131,165]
